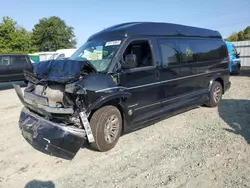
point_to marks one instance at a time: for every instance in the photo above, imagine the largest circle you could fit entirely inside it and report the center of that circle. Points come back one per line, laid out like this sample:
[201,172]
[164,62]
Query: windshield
[98,53]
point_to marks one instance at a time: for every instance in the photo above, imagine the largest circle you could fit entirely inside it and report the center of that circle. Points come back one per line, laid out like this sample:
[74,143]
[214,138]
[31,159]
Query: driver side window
[142,51]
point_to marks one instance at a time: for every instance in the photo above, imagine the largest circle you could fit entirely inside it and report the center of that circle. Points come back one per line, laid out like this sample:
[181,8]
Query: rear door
[176,75]
[212,58]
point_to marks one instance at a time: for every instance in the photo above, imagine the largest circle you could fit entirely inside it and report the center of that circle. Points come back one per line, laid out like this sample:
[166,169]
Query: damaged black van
[120,79]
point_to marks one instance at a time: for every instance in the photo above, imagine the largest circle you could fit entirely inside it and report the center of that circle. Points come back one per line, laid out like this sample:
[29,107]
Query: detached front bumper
[49,137]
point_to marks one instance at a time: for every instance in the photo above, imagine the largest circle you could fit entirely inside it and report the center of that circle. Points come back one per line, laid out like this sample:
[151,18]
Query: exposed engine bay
[51,95]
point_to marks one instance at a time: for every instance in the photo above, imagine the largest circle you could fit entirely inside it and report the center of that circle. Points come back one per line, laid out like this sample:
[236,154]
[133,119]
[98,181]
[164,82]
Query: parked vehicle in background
[120,79]
[13,65]
[235,62]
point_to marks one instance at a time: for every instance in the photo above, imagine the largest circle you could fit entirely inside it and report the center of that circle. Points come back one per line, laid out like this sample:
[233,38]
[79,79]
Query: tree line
[49,34]
[240,36]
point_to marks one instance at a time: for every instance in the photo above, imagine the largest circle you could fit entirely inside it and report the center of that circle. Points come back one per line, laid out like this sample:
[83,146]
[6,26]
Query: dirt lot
[200,148]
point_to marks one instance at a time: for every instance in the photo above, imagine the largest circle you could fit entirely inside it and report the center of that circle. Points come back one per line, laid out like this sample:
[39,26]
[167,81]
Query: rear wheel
[215,95]
[106,124]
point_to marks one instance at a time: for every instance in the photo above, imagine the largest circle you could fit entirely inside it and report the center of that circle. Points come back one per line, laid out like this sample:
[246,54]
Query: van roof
[155,29]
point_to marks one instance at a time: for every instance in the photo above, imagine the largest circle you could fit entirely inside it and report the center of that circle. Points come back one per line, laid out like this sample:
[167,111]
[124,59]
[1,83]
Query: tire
[215,95]
[101,126]
[237,71]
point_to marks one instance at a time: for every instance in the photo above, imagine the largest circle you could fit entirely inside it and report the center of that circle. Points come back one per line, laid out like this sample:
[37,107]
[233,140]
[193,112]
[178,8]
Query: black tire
[215,95]
[237,71]
[99,123]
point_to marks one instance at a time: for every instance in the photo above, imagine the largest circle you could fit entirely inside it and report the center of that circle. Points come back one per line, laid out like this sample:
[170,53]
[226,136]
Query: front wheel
[106,124]
[215,95]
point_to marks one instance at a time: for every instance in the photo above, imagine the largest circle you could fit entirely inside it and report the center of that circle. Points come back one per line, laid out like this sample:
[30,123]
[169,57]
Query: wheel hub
[217,94]
[111,129]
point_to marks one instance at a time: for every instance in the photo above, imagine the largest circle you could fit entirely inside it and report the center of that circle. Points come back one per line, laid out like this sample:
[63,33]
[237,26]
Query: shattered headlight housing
[75,88]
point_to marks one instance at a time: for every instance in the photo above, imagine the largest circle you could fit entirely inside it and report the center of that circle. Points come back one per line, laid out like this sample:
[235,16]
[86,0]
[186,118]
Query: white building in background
[244,48]
[61,53]
[46,55]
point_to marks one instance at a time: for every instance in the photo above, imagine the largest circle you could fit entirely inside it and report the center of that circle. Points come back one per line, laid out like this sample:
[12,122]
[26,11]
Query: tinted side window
[18,60]
[169,52]
[210,50]
[4,60]
[187,51]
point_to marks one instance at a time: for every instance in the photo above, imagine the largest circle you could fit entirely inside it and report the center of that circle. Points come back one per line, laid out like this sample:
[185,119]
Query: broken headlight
[75,89]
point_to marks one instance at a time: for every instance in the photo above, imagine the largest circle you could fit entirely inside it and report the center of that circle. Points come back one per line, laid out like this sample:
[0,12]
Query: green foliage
[51,34]
[247,33]
[233,37]
[13,38]
[240,36]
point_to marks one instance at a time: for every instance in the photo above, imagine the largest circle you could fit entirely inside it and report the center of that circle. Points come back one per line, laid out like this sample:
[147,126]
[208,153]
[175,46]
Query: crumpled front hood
[63,70]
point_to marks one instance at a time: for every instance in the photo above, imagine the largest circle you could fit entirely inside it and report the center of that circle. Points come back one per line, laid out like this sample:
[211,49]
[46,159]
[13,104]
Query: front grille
[39,99]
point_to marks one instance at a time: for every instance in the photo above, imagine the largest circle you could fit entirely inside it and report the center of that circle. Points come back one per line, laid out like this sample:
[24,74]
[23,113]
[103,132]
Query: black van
[120,79]
[12,66]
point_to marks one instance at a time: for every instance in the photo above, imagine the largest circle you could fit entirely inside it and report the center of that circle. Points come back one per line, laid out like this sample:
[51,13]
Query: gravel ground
[200,148]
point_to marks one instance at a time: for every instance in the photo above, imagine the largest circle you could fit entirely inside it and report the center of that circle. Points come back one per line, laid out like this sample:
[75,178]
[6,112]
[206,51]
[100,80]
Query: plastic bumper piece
[49,137]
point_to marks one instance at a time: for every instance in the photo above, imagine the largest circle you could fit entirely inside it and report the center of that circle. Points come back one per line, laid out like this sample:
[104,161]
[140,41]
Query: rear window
[183,51]
[210,50]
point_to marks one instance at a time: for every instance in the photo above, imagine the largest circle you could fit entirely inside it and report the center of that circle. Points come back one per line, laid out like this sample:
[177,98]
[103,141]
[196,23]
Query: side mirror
[130,61]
